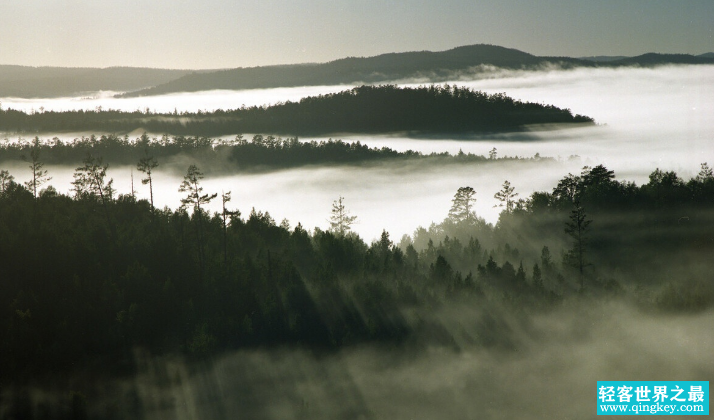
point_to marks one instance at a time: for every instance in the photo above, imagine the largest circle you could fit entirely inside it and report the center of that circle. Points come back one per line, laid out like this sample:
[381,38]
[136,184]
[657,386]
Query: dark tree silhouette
[462,205]
[146,165]
[39,176]
[567,189]
[340,219]
[191,186]
[225,214]
[506,196]
[5,180]
[196,199]
[89,180]
[596,176]
[577,228]
[705,173]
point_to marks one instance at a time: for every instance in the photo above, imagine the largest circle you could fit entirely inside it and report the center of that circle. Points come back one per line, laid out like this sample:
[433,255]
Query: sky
[229,33]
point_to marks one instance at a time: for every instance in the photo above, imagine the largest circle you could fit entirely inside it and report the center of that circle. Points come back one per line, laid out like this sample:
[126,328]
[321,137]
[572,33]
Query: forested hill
[650,59]
[653,59]
[440,66]
[366,109]
[435,66]
[47,82]
[423,65]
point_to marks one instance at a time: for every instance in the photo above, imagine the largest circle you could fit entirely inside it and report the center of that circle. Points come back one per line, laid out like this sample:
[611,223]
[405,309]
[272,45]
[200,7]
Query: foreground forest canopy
[93,276]
[366,109]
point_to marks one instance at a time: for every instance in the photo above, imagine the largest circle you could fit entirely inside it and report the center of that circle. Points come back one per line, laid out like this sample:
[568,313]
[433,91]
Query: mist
[189,102]
[547,372]
[544,366]
[394,197]
[649,118]
[484,358]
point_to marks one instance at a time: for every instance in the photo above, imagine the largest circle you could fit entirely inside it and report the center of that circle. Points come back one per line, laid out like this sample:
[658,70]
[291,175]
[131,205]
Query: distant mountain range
[423,66]
[604,58]
[48,82]
[654,59]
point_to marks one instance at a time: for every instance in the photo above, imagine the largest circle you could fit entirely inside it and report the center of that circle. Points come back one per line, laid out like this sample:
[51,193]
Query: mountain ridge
[360,70]
[431,66]
[435,66]
[48,81]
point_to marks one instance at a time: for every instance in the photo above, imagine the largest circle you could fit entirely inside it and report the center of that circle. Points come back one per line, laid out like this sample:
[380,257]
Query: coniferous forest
[119,304]
[90,277]
[356,210]
[260,153]
[364,109]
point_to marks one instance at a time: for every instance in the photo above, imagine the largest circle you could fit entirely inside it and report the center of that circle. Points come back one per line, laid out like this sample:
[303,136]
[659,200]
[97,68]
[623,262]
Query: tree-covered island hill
[362,110]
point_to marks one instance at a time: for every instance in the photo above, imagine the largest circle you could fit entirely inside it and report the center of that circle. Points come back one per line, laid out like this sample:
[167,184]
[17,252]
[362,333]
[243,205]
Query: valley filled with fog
[647,118]
[411,334]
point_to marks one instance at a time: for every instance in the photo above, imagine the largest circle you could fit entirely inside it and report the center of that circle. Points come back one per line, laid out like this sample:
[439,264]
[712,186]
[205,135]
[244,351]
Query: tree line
[239,153]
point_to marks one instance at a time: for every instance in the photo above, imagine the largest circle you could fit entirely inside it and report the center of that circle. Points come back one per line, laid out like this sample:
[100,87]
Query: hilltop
[425,65]
[422,66]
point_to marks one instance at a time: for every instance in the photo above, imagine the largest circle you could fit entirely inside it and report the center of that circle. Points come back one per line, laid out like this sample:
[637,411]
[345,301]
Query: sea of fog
[647,118]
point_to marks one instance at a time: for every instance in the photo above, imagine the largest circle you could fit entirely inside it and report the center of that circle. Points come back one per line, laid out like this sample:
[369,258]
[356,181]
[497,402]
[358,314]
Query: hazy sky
[237,33]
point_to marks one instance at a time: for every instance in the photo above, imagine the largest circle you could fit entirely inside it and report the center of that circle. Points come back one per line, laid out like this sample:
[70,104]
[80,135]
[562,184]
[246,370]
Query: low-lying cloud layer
[538,366]
[652,118]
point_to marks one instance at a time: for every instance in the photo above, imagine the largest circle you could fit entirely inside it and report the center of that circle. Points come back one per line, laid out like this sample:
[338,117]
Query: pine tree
[506,196]
[5,180]
[191,186]
[89,180]
[705,173]
[89,183]
[195,198]
[340,220]
[568,189]
[39,176]
[146,165]
[225,198]
[462,205]
[385,244]
[577,228]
